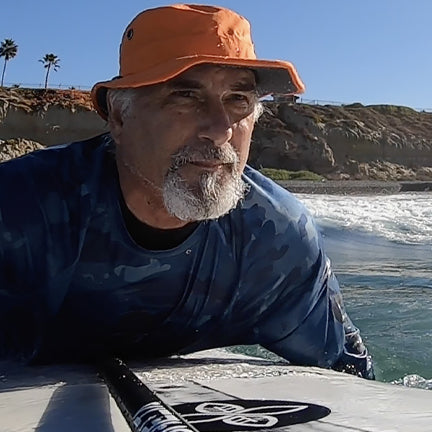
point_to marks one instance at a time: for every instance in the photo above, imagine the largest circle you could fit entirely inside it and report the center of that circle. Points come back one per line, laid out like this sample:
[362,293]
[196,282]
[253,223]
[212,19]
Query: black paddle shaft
[141,407]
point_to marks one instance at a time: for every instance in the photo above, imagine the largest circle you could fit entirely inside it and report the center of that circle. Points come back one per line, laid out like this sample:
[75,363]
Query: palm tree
[50,61]
[8,50]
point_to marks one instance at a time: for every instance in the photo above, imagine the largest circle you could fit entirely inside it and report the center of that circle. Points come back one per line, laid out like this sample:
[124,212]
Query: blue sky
[368,51]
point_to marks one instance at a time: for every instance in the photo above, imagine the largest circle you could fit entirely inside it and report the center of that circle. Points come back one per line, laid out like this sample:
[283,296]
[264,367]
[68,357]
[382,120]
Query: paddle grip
[142,408]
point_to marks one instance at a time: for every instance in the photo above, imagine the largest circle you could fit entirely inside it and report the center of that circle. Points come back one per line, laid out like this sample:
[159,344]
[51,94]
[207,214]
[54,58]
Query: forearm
[325,337]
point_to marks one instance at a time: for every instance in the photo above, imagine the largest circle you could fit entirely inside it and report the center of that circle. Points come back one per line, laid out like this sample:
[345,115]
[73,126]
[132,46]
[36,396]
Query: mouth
[204,159]
[209,165]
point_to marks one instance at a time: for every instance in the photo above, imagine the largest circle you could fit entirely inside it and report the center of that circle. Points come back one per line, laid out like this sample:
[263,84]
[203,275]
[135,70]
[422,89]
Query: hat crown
[180,31]
[160,44]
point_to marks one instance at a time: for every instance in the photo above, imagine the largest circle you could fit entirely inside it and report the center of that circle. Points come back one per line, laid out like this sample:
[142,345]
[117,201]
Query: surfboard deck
[213,389]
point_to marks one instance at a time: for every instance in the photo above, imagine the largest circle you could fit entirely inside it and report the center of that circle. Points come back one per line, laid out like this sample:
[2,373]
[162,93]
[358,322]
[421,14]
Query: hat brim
[273,77]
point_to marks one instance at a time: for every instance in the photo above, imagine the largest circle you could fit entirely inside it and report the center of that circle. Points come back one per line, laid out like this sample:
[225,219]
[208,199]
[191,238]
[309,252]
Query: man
[157,238]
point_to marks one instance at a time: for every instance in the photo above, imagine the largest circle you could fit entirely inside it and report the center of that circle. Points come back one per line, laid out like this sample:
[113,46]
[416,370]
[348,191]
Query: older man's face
[190,138]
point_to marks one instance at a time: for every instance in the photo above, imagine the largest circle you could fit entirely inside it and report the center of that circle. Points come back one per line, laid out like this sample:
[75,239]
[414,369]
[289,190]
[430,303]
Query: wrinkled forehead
[208,75]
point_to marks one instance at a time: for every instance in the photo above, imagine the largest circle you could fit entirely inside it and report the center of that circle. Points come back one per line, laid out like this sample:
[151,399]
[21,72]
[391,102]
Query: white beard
[213,196]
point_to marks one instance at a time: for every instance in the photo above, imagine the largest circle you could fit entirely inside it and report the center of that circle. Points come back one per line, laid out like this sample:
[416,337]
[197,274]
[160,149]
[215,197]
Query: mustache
[203,152]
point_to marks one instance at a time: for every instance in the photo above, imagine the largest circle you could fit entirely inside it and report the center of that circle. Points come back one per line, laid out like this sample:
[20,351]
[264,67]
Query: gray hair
[123,98]
[120,98]
[258,110]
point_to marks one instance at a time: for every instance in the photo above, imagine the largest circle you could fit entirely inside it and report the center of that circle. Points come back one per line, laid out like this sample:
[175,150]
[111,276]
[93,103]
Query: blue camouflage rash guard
[74,284]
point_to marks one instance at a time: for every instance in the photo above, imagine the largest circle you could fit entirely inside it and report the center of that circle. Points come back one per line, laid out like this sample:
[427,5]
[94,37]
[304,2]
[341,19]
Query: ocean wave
[367,259]
[402,218]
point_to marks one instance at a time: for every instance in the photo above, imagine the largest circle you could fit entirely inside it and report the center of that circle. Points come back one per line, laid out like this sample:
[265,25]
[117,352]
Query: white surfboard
[214,390]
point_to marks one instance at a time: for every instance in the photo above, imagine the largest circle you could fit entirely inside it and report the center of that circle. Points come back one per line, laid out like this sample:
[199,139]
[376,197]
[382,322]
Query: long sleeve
[40,238]
[325,335]
[290,288]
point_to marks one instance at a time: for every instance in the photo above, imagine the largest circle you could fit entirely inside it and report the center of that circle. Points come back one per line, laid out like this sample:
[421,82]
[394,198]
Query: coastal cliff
[378,142]
[48,117]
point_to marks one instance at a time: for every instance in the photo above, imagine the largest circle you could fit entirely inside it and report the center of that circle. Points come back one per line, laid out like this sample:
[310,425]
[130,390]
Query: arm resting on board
[325,336]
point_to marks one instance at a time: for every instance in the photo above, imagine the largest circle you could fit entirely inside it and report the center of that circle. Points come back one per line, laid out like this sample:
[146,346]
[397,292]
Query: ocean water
[381,251]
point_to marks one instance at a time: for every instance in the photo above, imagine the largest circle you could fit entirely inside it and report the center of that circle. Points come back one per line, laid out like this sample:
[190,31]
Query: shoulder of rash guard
[79,151]
[274,204]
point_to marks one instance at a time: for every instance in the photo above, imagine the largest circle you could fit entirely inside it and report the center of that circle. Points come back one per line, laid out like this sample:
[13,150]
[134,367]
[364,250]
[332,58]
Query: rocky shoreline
[349,142]
[355,187]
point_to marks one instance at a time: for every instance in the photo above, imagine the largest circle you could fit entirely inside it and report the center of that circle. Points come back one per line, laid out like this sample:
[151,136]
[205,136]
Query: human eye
[239,97]
[185,94]
[240,102]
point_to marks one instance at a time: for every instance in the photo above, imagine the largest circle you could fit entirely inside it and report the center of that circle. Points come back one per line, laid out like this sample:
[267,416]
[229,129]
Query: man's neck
[145,200]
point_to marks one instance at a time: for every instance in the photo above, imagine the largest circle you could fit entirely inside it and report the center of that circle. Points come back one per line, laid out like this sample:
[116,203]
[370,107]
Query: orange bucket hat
[161,43]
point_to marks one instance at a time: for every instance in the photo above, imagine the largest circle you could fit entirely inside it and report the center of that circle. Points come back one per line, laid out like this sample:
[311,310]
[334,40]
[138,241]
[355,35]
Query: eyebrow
[185,83]
[244,86]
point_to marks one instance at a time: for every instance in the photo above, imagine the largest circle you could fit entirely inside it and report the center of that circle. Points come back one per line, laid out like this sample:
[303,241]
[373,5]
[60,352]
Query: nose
[215,124]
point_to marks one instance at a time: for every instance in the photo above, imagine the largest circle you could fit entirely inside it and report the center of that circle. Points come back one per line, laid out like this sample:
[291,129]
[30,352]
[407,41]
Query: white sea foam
[404,217]
[415,381]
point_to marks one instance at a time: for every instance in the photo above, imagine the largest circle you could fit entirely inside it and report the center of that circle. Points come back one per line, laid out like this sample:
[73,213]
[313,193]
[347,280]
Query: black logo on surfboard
[249,414]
